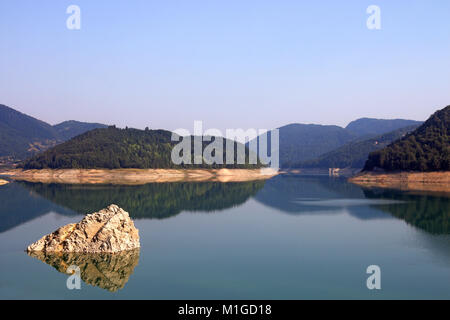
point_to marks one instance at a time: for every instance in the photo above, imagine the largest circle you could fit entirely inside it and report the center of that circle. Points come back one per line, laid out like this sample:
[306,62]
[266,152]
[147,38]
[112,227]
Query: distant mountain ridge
[309,142]
[425,149]
[354,154]
[72,128]
[22,135]
[299,142]
[374,127]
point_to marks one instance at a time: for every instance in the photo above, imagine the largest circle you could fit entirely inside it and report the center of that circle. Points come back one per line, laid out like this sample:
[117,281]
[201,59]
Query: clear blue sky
[232,64]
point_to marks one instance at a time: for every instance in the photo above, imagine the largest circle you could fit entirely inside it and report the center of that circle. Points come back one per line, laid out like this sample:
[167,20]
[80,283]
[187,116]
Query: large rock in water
[109,230]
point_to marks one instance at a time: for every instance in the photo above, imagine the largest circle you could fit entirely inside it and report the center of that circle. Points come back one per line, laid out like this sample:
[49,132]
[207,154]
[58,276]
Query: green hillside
[307,142]
[114,148]
[22,136]
[425,149]
[354,154]
[300,142]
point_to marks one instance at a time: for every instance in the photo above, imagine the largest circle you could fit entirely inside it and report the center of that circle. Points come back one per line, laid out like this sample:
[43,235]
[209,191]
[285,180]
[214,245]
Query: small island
[109,230]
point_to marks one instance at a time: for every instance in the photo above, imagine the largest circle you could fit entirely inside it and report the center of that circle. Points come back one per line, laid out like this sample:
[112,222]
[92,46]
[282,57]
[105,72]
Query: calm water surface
[286,238]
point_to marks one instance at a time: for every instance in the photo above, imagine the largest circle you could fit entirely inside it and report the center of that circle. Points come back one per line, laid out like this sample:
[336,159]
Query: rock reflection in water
[105,270]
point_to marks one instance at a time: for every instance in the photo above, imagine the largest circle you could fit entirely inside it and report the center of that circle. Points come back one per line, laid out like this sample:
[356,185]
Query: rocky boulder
[110,230]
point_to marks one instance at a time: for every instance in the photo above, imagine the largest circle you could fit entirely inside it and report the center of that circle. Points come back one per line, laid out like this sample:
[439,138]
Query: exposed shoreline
[408,181]
[3,182]
[137,176]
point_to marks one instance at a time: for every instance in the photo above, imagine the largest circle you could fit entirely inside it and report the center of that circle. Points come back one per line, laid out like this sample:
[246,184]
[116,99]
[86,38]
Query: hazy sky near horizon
[232,64]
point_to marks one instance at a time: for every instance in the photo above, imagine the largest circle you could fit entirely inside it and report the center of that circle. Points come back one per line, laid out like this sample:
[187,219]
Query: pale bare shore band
[137,176]
[413,181]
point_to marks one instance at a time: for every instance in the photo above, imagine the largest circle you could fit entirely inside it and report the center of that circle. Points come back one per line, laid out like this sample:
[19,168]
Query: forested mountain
[425,149]
[303,142]
[374,127]
[114,148]
[308,142]
[72,128]
[22,136]
[354,154]
[300,142]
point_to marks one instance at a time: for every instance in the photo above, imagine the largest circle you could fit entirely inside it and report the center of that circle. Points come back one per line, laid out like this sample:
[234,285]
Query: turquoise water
[291,237]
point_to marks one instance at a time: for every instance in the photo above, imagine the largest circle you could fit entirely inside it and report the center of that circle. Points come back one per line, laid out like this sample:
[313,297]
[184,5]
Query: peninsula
[128,157]
[418,161]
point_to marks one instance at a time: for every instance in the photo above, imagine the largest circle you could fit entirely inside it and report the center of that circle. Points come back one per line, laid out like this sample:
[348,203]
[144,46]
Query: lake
[290,237]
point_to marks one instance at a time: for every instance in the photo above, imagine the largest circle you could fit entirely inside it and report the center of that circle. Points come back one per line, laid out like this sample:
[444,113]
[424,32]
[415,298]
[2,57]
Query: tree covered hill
[425,149]
[307,142]
[354,154]
[115,148]
[300,142]
[22,135]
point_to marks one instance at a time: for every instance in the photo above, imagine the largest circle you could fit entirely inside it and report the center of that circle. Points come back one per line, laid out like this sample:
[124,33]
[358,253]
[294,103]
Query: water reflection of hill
[294,195]
[19,205]
[305,194]
[155,201]
[425,211]
[321,194]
